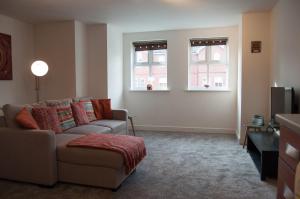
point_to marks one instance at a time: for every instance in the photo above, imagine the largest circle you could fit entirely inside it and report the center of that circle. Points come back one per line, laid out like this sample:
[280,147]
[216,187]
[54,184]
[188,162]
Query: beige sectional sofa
[41,156]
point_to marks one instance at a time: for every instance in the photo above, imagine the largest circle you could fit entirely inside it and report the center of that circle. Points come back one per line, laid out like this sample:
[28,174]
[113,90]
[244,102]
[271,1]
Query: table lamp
[39,69]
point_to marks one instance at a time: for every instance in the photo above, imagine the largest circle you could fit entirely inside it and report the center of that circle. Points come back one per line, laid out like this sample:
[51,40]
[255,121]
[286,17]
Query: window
[208,67]
[149,65]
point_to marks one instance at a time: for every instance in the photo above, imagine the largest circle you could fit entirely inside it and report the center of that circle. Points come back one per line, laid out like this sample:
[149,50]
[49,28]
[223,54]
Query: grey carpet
[178,165]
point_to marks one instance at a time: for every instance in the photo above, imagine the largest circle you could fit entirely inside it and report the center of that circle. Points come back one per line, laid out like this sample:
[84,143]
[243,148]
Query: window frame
[149,64]
[208,61]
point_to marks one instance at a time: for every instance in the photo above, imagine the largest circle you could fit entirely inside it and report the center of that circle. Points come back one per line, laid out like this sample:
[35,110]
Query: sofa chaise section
[28,156]
[88,166]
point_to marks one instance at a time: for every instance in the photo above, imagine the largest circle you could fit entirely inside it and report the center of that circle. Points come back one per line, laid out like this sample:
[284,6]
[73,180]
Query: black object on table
[263,149]
[257,123]
[248,128]
[273,126]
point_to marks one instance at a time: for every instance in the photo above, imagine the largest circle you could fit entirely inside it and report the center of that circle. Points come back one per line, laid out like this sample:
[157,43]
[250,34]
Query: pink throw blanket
[131,148]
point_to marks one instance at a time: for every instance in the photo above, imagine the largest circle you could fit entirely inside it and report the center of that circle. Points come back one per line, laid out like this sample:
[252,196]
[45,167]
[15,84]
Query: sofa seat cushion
[86,156]
[86,129]
[115,125]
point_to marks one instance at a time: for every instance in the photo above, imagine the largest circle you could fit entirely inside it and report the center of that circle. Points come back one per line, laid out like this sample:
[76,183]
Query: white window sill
[208,90]
[134,90]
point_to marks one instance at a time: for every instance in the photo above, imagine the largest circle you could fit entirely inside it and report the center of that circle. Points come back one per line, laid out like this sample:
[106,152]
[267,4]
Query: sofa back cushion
[64,112]
[79,113]
[10,112]
[47,118]
[78,99]
[25,119]
[89,109]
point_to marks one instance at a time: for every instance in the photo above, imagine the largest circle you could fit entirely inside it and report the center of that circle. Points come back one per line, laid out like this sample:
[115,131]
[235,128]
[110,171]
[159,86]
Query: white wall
[256,67]
[178,109]
[81,60]
[21,88]
[55,44]
[91,60]
[115,66]
[77,57]
[97,60]
[286,44]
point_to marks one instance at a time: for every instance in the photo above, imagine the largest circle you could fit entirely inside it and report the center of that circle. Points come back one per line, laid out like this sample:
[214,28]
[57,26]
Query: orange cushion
[97,109]
[25,119]
[106,108]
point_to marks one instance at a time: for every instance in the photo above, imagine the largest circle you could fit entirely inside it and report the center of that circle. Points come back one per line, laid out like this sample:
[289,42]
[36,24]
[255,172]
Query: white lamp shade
[39,68]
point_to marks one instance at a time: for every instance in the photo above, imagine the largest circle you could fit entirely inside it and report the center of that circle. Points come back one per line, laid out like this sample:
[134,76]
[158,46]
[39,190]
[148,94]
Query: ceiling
[136,15]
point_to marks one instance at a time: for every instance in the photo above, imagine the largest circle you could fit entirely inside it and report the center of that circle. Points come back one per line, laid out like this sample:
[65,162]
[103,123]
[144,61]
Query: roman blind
[209,42]
[150,45]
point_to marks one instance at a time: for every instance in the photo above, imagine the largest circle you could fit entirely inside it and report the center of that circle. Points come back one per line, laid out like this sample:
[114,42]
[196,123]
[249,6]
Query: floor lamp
[39,69]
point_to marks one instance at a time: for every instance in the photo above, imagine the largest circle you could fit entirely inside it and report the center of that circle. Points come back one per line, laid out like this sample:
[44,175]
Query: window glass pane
[141,56]
[140,74]
[198,53]
[211,73]
[198,75]
[159,77]
[218,76]
[150,67]
[160,56]
[218,53]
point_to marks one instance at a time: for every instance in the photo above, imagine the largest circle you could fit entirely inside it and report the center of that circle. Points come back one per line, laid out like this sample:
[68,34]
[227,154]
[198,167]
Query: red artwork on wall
[5,57]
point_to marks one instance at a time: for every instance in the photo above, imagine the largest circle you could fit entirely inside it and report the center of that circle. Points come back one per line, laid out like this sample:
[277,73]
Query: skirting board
[183,129]
[238,137]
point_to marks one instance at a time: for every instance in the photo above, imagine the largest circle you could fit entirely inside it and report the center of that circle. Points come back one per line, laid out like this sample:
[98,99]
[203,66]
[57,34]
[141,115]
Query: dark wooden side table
[263,148]
[131,122]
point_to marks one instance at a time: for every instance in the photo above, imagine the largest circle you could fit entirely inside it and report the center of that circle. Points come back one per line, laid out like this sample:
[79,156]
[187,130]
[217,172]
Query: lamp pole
[39,68]
[37,88]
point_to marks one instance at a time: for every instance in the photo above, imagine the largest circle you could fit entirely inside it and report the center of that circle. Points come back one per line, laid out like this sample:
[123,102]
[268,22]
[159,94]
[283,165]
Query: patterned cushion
[89,109]
[25,119]
[79,113]
[47,118]
[64,113]
[97,108]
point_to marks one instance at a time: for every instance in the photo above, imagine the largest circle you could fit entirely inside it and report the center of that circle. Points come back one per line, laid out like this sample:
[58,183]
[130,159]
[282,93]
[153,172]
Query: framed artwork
[255,46]
[5,57]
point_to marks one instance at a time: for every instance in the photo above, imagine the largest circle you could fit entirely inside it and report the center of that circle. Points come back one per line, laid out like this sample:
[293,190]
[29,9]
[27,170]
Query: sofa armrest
[28,155]
[120,114]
